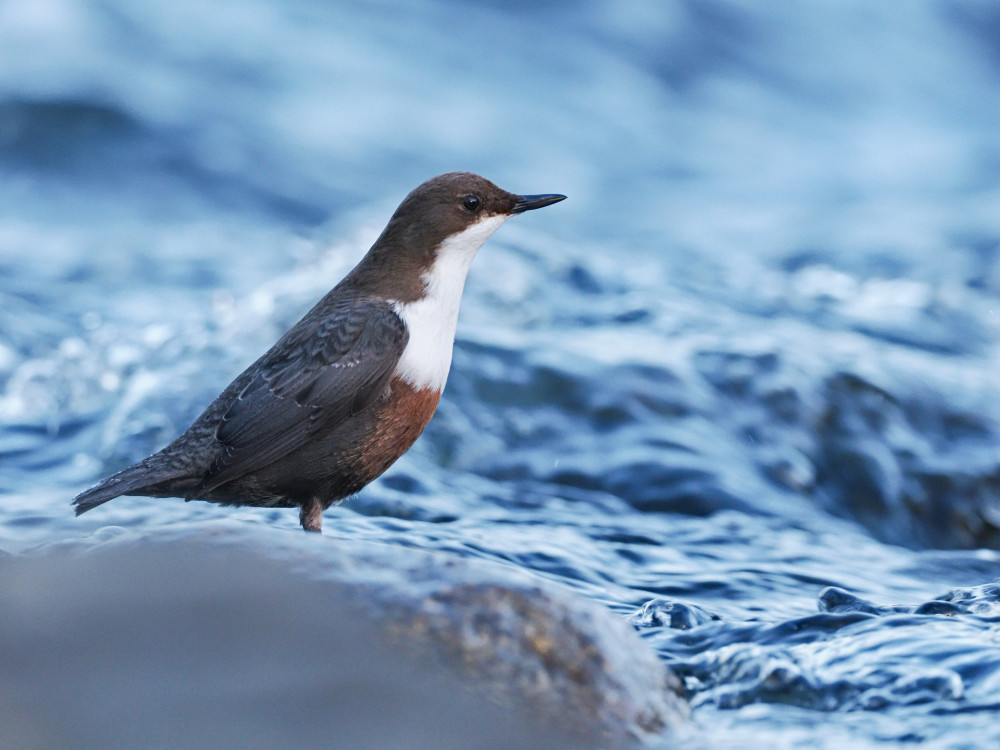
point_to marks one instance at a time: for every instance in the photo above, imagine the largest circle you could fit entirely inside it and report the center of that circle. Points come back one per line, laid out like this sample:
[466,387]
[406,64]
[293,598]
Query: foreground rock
[243,638]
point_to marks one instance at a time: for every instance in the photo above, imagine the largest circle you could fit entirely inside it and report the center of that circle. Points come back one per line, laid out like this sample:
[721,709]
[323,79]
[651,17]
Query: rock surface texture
[228,638]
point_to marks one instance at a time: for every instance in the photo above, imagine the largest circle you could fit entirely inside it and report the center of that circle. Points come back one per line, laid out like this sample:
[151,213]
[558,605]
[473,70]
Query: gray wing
[323,371]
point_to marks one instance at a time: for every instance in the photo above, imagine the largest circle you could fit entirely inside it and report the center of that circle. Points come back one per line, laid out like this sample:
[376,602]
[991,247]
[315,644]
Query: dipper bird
[348,389]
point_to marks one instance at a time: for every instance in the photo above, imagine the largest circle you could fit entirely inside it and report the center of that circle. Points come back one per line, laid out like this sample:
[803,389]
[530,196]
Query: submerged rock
[236,640]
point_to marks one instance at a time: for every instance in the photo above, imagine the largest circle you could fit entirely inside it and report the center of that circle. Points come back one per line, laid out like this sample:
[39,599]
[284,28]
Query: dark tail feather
[125,482]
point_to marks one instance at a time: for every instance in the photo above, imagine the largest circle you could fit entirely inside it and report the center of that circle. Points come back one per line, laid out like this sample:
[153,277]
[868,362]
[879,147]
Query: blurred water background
[743,387]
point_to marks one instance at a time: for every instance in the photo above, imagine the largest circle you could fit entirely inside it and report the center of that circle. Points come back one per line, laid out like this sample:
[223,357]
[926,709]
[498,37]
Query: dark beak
[528,202]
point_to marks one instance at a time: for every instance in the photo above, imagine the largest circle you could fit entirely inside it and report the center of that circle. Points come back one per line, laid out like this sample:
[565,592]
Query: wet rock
[232,639]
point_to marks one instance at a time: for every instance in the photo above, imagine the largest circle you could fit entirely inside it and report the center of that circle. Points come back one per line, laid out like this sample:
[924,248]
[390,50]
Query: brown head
[446,207]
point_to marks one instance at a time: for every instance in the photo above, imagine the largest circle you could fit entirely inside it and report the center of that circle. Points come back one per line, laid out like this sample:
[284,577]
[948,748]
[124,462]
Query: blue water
[754,355]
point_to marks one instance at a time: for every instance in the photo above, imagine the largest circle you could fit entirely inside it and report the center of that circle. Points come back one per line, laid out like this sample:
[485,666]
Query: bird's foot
[311,516]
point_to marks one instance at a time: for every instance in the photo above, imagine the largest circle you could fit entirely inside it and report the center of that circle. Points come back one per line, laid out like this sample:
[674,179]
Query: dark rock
[234,639]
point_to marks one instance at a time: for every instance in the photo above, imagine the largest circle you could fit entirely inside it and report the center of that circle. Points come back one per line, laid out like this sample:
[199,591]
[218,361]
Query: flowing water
[743,386]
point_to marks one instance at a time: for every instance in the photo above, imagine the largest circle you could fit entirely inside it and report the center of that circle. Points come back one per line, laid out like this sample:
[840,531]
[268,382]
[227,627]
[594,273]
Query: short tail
[126,482]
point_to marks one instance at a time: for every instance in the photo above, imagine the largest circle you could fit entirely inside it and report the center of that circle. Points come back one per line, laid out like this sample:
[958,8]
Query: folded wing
[321,372]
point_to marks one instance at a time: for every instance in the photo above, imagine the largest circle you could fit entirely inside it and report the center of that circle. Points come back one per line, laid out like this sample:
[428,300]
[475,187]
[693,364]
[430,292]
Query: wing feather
[322,371]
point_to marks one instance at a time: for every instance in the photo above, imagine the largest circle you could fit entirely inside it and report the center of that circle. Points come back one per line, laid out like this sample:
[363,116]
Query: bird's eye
[471,203]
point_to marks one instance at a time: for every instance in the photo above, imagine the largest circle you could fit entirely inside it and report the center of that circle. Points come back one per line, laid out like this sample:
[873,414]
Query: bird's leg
[311,515]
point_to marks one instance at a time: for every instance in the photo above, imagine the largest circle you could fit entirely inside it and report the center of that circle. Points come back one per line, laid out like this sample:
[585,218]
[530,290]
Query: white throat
[432,319]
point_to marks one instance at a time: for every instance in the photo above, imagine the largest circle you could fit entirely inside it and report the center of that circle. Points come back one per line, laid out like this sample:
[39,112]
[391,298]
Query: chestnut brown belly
[399,422]
[341,461]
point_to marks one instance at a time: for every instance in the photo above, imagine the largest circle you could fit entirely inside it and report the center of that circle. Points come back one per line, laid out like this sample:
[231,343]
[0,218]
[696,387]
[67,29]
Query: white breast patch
[431,321]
